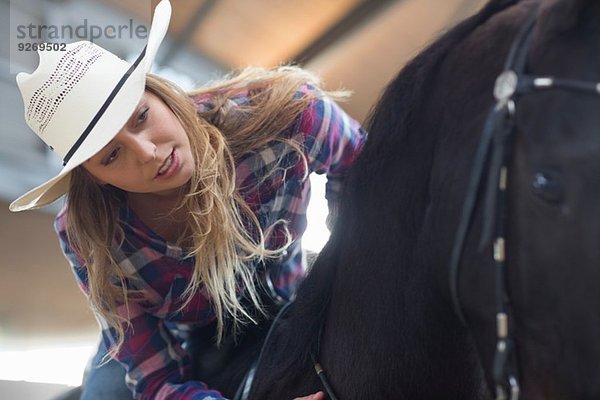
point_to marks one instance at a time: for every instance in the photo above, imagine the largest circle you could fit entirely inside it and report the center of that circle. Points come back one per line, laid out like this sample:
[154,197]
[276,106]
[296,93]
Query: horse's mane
[407,87]
[389,126]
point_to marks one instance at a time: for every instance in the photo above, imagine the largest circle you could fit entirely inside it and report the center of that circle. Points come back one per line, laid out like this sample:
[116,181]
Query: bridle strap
[468,209]
[529,83]
[507,91]
[498,130]
[492,124]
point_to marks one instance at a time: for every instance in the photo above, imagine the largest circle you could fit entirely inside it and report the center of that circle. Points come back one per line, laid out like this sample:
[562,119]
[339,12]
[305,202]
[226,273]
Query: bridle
[495,151]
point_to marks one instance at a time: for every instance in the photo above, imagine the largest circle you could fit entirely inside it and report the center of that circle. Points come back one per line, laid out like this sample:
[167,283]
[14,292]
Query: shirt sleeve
[332,142]
[156,364]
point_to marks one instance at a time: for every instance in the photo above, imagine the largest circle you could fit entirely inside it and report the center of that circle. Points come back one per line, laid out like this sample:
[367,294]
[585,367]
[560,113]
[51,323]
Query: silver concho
[506,86]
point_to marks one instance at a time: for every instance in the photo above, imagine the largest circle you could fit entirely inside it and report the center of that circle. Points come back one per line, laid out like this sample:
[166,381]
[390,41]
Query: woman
[180,207]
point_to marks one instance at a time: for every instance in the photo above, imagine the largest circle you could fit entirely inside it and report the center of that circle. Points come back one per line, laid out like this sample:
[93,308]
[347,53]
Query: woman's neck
[160,213]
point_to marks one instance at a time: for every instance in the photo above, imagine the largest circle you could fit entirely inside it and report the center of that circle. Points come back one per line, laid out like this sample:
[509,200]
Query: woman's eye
[111,157]
[143,115]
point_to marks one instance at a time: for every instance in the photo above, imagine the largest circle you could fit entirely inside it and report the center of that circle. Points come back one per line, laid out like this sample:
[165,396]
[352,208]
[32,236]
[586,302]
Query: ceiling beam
[188,32]
[357,16]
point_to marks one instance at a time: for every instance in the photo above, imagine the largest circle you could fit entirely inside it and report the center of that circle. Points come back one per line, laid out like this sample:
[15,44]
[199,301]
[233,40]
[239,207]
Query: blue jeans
[105,382]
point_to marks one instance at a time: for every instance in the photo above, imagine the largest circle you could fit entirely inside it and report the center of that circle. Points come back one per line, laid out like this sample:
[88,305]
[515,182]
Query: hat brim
[114,118]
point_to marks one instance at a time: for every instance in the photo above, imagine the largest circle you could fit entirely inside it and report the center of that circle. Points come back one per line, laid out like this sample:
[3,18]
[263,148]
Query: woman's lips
[169,166]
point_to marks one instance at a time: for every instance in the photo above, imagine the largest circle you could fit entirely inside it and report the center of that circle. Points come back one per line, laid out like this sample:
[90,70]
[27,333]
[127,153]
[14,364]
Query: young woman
[179,206]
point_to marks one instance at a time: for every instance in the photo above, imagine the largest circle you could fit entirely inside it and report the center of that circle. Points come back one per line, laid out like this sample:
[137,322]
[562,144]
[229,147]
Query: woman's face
[150,154]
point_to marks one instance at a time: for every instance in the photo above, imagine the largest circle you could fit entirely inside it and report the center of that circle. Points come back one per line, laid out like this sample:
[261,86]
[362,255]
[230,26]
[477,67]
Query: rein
[245,388]
[243,392]
[495,148]
[320,371]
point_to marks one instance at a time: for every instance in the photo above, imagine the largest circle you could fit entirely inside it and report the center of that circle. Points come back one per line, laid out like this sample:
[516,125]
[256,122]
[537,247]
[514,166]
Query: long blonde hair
[217,216]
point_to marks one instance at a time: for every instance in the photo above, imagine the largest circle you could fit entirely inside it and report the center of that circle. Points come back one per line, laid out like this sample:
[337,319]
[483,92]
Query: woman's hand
[316,396]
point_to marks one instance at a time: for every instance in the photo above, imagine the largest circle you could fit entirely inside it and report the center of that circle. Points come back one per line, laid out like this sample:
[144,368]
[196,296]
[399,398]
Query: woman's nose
[142,148]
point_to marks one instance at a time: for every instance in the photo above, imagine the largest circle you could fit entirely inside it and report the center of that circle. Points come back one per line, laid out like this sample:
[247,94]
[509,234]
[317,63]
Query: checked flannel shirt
[156,363]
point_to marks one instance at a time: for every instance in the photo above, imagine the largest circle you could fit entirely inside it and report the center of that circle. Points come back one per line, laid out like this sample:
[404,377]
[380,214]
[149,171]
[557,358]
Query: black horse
[381,308]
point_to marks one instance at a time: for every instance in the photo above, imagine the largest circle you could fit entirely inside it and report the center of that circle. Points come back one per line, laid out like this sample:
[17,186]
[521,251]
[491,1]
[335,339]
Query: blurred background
[47,332]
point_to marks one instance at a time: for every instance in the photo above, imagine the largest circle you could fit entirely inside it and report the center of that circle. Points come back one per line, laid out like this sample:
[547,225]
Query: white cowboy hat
[77,100]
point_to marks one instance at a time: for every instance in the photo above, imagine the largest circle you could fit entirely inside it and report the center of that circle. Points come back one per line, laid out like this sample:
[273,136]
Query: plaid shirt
[156,363]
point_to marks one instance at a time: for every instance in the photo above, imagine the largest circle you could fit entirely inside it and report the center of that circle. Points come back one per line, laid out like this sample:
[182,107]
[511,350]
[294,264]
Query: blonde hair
[221,243]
